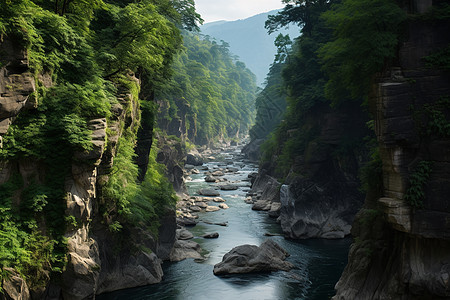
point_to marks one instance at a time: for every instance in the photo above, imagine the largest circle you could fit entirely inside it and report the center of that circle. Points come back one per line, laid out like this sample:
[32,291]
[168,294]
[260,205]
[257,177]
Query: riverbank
[318,263]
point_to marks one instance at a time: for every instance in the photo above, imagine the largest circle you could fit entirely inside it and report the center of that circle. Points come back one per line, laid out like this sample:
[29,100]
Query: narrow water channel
[319,263]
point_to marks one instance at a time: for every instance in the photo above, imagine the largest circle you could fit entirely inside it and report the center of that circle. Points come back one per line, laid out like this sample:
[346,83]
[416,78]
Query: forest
[102,100]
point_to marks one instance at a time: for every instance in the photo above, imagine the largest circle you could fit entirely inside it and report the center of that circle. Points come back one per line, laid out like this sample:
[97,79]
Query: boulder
[201,204]
[208,192]
[228,187]
[195,208]
[264,205]
[185,249]
[194,159]
[183,234]
[224,224]
[218,199]
[210,178]
[250,258]
[213,235]
[212,208]
[223,206]
[186,222]
[231,170]
[195,171]
[217,173]
[189,167]
[14,286]
[274,211]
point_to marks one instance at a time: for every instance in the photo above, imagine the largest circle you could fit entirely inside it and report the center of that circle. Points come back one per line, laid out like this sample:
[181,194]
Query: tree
[366,34]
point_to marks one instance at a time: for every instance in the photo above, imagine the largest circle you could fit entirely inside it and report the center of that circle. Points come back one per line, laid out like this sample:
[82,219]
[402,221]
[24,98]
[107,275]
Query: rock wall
[321,196]
[98,261]
[400,251]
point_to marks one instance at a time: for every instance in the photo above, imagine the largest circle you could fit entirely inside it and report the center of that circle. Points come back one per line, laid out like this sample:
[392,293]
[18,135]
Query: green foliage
[418,179]
[439,60]
[366,36]
[270,104]
[209,90]
[132,37]
[371,174]
[304,13]
[433,119]
[79,43]
[26,250]
[155,196]
[122,186]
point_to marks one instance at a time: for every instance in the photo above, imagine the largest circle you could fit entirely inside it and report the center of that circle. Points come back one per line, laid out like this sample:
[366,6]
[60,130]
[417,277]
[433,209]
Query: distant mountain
[249,40]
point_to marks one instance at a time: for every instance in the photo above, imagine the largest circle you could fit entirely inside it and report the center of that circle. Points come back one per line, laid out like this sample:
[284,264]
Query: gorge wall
[402,246]
[98,258]
[320,196]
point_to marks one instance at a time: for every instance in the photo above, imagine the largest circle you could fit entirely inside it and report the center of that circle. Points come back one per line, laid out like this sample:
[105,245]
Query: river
[318,263]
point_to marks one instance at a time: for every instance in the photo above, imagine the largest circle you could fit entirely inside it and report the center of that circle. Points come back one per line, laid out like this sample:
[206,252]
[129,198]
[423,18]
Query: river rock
[218,199]
[212,208]
[14,286]
[228,187]
[195,208]
[189,167]
[223,206]
[210,178]
[195,171]
[208,192]
[201,204]
[185,249]
[183,234]
[263,205]
[217,173]
[213,235]
[186,222]
[194,159]
[274,211]
[224,224]
[231,170]
[250,258]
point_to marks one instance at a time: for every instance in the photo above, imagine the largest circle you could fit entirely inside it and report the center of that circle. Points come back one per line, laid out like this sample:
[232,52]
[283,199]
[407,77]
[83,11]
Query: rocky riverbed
[213,218]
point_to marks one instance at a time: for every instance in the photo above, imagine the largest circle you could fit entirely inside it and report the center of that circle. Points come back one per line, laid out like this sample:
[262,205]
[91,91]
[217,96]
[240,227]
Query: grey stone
[185,249]
[228,187]
[208,192]
[213,235]
[249,258]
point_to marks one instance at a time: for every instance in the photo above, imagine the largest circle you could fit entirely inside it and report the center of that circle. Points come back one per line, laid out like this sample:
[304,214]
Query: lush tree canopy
[217,90]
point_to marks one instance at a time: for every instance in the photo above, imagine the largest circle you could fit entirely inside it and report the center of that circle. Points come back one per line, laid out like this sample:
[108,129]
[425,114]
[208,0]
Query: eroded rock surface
[250,258]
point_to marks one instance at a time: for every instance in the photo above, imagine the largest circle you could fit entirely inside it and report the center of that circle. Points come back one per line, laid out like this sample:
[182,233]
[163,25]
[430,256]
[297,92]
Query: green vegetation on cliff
[331,63]
[210,93]
[92,50]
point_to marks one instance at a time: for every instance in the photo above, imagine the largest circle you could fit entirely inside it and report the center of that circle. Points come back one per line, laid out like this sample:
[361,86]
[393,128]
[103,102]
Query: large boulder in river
[185,249]
[183,234]
[263,205]
[250,258]
[210,178]
[194,158]
[208,192]
[228,187]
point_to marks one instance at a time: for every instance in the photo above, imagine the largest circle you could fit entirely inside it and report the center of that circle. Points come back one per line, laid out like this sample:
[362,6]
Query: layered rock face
[403,252]
[98,261]
[321,194]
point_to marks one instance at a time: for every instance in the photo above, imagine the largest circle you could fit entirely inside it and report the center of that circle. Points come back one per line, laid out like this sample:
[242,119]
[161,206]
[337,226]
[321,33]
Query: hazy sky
[215,10]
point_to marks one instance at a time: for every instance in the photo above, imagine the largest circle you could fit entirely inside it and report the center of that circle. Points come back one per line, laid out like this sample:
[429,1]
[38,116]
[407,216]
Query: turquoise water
[318,263]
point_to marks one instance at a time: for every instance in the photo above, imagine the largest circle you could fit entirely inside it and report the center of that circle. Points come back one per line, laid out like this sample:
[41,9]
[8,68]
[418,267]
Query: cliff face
[98,260]
[402,250]
[321,194]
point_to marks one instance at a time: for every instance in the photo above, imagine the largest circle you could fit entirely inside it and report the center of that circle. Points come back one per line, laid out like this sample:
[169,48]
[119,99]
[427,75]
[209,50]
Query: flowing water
[318,263]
